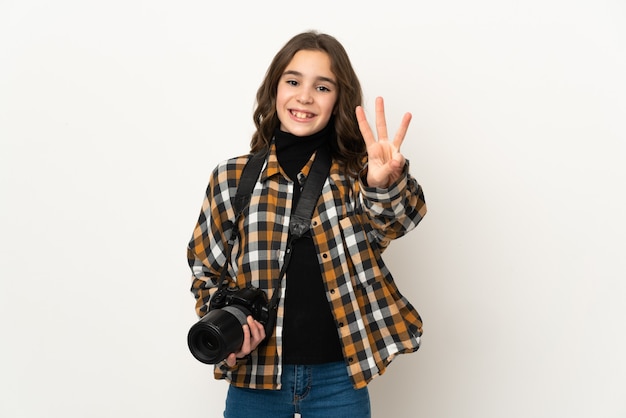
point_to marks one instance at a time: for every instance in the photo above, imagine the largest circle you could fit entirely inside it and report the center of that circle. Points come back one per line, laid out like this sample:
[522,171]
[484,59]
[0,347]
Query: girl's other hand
[385,162]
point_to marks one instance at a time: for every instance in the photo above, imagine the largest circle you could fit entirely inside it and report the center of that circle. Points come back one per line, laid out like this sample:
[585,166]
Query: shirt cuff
[378,194]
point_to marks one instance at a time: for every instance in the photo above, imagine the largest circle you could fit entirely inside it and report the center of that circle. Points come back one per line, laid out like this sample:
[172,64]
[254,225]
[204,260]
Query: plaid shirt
[351,227]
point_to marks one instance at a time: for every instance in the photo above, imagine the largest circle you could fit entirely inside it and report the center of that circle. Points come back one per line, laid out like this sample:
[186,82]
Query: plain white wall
[112,115]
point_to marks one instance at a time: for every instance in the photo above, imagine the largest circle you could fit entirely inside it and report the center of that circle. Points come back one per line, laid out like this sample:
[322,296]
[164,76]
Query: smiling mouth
[302,115]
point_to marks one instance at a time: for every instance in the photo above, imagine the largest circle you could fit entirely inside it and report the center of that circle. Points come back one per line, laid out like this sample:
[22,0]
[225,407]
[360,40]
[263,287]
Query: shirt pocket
[363,256]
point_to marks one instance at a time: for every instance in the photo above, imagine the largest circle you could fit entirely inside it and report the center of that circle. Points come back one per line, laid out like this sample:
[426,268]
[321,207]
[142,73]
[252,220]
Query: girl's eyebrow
[320,78]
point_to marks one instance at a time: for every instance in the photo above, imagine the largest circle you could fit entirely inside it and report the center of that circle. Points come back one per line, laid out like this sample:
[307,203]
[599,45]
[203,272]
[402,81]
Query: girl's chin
[299,130]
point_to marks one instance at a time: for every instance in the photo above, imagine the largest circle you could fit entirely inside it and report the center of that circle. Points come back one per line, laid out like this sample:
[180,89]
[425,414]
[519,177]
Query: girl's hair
[349,147]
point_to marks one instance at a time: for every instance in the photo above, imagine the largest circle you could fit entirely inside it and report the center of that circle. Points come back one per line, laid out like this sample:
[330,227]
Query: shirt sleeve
[395,210]
[206,254]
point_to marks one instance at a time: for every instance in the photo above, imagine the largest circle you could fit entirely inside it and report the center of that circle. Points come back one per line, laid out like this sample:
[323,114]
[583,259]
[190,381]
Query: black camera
[220,332]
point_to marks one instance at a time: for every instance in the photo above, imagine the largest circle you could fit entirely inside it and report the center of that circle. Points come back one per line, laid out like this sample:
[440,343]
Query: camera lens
[217,334]
[208,341]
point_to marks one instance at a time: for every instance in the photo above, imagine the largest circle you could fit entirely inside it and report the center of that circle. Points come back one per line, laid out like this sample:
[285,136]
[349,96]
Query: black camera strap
[249,176]
[300,221]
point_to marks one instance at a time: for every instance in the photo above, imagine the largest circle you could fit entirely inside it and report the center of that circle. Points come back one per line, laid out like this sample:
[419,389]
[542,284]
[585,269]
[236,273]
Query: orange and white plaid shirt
[351,227]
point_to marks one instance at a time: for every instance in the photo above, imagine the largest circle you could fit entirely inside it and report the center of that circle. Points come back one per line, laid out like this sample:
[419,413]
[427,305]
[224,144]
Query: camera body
[250,298]
[220,331]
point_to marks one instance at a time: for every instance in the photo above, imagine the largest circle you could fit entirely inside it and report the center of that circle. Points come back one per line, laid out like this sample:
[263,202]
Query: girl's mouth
[301,115]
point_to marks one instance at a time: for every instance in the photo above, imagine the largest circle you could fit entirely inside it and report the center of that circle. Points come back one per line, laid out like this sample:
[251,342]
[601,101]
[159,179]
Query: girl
[340,318]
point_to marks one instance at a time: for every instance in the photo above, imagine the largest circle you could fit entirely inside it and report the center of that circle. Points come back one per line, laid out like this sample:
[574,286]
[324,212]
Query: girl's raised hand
[385,162]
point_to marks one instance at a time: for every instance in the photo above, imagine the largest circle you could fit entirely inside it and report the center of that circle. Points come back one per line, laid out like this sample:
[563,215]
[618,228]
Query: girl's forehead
[311,62]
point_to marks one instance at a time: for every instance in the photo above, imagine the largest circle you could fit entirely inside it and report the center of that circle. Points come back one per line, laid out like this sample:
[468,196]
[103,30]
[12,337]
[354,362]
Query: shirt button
[340,324]
[332,291]
[350,359]
[325,255]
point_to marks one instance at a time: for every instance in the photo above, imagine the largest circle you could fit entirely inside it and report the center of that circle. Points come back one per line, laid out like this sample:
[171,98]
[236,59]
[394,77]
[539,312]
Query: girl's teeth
[301,115]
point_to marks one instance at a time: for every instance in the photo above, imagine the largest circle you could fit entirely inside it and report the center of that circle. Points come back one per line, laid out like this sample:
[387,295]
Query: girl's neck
[293,151]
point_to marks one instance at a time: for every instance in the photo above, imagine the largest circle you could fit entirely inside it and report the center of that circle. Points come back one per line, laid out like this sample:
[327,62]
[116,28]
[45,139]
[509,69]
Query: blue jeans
[313,391]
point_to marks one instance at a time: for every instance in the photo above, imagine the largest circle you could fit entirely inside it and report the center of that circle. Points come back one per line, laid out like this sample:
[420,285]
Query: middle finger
[381,123]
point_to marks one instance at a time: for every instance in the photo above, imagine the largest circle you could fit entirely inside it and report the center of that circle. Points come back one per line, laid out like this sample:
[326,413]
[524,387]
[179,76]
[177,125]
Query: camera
[220,332]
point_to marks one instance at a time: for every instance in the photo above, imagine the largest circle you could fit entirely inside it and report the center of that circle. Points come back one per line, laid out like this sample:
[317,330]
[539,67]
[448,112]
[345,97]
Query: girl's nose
[305,97]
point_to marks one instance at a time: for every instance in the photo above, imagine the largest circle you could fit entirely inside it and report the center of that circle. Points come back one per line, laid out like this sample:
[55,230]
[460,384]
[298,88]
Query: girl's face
[307,93]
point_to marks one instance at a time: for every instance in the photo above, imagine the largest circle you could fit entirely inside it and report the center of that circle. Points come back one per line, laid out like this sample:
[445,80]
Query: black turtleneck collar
[293,152]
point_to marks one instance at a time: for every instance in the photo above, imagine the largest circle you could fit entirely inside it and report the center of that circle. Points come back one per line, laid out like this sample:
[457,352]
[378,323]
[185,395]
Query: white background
[113,114]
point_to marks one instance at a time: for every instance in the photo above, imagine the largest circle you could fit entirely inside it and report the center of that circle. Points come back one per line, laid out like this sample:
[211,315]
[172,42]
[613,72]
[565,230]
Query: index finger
[364,126]
[257,331]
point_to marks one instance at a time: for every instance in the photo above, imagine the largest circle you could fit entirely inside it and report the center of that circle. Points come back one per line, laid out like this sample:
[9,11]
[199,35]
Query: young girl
[340,318]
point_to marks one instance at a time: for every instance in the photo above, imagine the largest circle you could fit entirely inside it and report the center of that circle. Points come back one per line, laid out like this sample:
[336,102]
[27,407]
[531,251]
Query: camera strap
[300,221]
[249,176]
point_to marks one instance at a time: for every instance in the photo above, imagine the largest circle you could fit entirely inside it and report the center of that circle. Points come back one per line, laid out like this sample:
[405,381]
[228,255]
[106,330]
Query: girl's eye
[292,82]
[323,88]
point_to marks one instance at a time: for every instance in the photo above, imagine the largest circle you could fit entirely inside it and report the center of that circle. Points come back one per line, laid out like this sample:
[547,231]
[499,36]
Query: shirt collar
[273,168]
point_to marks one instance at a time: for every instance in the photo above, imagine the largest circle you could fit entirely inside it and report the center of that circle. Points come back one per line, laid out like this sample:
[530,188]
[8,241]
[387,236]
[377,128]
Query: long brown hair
[349,147]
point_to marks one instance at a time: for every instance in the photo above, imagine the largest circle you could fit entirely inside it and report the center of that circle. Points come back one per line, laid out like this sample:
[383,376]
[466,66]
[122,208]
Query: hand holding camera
[233,327]
[253,335]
